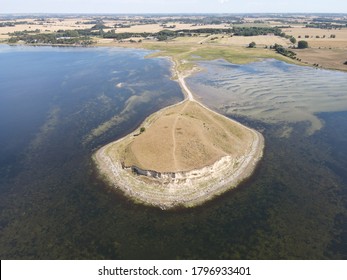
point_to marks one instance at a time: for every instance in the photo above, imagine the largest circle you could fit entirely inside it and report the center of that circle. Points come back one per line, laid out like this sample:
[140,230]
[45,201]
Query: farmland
[326,35]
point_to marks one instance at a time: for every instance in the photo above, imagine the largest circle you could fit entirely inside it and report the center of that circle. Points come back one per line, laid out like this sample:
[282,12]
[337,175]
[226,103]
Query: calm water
[271,91]
[57,105]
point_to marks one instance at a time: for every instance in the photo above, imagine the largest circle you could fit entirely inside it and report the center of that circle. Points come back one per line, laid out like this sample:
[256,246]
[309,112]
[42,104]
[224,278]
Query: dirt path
[205,39]
[174,136]
[183,85]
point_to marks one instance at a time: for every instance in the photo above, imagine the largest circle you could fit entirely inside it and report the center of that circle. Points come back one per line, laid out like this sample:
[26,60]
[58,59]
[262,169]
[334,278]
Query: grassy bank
[187,54]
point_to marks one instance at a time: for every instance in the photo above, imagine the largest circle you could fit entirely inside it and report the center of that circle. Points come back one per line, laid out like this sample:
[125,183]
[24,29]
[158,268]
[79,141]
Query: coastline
[184,189]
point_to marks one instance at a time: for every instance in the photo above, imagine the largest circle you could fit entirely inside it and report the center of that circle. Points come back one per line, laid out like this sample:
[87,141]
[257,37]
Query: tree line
[51,38]
[170,34]
[83,36]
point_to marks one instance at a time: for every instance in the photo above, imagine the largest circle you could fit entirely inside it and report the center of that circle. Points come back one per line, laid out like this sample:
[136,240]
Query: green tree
[302,45]
[292,40]
[13,40]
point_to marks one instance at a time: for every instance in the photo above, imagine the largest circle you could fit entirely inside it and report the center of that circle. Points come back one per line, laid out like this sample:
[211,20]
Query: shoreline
[144,47]
[185,192]
[185,189]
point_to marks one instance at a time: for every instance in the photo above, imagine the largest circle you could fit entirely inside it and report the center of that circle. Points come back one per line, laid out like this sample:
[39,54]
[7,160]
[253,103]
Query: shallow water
[57,105]
[271,90]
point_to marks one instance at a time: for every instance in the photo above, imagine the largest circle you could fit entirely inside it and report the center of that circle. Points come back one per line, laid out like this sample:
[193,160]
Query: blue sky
[171,6]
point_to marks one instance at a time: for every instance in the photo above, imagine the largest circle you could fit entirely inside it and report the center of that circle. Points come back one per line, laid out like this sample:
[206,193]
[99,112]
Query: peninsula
[182,155]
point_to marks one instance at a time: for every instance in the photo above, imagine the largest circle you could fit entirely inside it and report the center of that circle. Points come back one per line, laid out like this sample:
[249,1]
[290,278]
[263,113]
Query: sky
[173,6]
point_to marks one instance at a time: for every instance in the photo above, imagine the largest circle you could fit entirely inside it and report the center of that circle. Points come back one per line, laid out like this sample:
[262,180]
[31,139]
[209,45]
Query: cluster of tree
[283,51]
[83,41]
[90,32]
[329,20]
[69,33]
[148,21]
[24,32]
[96,21]
[255,31]
[121,25]
[52,39]
[223,19]
[238,22]
[124,35]
[82,36]
[164,34]
[99,26]
[211,31]
[169,26]
[40,19]
[292,39]
[302,44]
[284,26]
[317,36]
[170,34]
[11,23]
[5,24]
[326,25]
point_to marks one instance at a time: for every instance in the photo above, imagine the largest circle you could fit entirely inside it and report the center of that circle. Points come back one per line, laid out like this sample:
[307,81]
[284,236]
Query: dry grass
[189,53]
[151,28]
[239,41]
[263,40]
[339,42]
[157,27]
[326,58]
[323,50]
[186,137]
[54,24]
[189,40]
[48,26]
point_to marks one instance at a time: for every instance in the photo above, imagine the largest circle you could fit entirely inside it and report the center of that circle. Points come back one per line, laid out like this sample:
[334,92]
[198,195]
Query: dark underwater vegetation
[58,105]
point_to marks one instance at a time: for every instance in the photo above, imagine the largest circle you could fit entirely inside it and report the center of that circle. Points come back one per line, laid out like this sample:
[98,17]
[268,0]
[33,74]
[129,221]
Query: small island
[181,156]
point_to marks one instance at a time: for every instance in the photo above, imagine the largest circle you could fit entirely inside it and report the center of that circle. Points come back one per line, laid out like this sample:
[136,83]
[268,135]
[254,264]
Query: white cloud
[223,1]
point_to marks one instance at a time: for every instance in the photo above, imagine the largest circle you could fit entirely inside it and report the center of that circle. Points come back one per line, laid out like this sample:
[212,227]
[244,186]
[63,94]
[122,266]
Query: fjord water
[57,105]
[271,91]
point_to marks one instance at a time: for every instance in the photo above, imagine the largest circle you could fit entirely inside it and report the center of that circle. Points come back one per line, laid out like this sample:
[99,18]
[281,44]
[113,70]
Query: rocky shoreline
[185,189]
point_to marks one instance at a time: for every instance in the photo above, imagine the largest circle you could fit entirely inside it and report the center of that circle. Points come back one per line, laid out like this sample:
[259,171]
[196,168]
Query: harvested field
[320,37]
[238,41]
[262,40]
[190,40]
[326,58]
[48,26]
[152,28]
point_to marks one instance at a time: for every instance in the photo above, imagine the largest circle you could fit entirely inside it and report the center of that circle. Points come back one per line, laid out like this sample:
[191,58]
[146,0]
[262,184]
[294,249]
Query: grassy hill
[186,137]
